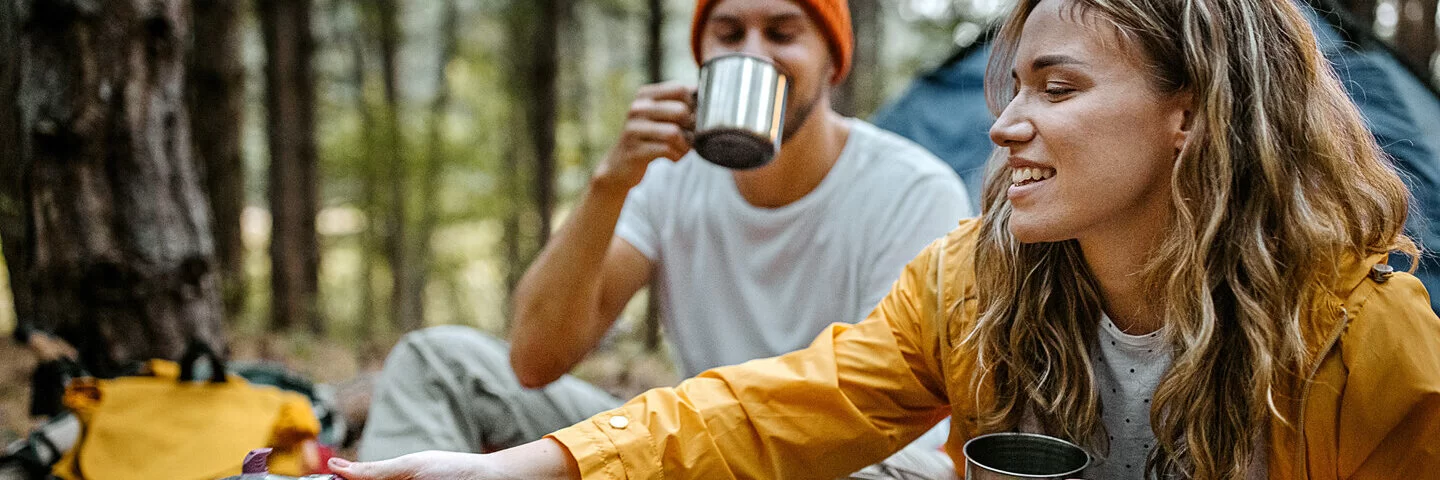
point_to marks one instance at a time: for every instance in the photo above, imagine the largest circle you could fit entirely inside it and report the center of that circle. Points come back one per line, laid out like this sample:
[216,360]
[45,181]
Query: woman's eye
[1056,92]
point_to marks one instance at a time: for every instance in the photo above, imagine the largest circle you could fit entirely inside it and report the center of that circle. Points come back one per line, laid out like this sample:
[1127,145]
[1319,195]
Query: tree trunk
[397,219]
[1363,10]
[290,104]
[655,42]
[543,78]
[117,256]
[14,226]
[435,164]
[217,111]
[370,187]
[512,239]
[655,66]
[535,28]
[861,93]
[1415,35]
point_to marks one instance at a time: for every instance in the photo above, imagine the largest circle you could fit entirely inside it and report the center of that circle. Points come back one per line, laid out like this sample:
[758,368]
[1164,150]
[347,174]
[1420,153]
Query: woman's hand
[416,466]
[541,459]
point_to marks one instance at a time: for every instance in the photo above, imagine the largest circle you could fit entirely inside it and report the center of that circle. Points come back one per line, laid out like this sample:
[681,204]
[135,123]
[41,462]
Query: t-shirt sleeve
[639,223]
[930,208]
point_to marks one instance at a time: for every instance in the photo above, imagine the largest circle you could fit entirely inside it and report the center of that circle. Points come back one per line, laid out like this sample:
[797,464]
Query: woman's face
[1091,143]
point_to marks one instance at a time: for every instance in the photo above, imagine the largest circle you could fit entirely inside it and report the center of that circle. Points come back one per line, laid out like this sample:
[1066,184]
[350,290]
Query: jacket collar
[1329,310]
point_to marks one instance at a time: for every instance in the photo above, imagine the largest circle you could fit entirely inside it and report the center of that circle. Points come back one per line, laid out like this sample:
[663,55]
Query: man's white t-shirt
[738,282]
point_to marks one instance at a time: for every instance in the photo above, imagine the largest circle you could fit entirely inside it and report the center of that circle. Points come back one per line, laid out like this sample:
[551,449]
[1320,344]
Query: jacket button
[619,422]
[1381,272]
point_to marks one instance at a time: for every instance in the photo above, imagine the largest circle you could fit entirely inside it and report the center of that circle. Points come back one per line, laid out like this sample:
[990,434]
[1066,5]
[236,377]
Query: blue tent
[944,110]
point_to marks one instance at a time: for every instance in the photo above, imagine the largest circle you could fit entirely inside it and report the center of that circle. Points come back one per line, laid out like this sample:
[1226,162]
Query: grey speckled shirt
[1129,368]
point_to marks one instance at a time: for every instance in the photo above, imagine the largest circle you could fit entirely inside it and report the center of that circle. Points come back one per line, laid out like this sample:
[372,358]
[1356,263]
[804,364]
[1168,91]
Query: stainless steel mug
[1013,455]
[740,111]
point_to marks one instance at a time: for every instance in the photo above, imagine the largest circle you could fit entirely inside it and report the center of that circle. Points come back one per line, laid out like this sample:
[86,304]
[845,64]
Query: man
[748,264]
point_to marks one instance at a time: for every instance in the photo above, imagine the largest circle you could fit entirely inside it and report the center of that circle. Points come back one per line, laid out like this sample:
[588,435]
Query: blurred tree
[542,76]
[1364,11]
[217,107]
[1415,36]
[397,240]
[290,115]
[655,41]
[13,225]
[435,160]
[116,255]
[655,73]
[534,31]
[369,181]
[863,90]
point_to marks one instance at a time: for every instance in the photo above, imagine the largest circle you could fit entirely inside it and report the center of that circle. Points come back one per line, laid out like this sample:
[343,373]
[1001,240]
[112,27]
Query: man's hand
[48,349]
[659,125]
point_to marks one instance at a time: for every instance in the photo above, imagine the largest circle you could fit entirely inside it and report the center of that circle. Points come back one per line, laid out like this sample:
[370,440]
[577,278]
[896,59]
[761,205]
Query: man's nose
[755,44]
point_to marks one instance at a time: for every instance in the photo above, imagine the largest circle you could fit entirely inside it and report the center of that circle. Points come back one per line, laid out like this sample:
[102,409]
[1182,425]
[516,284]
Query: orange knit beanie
[833,17]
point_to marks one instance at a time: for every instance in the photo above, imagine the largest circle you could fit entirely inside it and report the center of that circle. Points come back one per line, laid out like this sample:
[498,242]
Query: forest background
[323,176]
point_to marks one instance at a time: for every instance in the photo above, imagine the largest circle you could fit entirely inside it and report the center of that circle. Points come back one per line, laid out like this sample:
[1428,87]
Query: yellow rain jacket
[1368,408]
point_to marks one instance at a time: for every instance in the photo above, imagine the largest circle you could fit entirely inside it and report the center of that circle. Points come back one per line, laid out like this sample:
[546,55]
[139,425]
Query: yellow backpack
[168,426]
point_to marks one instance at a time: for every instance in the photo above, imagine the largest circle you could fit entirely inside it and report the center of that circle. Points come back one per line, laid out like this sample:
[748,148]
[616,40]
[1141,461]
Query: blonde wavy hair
[1279,184]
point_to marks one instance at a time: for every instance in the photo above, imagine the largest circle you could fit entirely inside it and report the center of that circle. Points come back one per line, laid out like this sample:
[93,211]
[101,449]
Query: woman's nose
[1011,128]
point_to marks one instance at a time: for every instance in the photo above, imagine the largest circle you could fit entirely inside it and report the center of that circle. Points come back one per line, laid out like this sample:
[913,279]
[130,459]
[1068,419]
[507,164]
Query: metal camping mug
[740,111]
[1013,455]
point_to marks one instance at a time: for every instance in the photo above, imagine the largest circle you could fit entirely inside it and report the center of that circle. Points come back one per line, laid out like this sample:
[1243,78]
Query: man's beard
[802,114]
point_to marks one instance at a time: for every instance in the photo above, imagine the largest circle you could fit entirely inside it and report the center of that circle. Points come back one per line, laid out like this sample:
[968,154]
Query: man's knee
[450,357]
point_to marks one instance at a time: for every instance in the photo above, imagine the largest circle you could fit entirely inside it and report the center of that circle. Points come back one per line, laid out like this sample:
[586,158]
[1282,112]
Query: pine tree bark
[534,28]
[655,68]
[861,92]
[397,218]
[290,104]
[14,227]
[544,76]
[435,162]
[116,254]
[217,111]
[370,186]
[1363,10]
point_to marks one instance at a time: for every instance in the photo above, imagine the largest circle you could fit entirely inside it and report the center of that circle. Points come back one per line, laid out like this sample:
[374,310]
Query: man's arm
[574,291]
[582,280]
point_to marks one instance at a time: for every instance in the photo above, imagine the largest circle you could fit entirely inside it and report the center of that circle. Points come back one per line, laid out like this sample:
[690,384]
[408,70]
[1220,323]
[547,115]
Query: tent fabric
[944,110]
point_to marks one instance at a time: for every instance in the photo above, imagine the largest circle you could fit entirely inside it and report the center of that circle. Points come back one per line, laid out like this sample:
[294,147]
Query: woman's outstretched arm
[543,459]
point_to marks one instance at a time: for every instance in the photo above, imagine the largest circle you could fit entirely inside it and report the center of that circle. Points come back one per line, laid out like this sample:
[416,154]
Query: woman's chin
[1028,230]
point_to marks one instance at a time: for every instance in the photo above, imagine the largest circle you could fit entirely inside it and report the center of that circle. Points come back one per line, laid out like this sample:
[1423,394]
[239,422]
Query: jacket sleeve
[855,395]
[1389,422]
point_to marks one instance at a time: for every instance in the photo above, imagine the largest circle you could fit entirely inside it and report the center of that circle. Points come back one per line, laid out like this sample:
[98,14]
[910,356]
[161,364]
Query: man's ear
[830,70]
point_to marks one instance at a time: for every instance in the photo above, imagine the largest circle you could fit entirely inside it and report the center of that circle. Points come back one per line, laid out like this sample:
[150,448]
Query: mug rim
[966,450]
[743,55]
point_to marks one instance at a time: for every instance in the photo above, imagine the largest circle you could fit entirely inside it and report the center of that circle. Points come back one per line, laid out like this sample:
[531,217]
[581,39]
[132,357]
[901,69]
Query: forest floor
[622,366]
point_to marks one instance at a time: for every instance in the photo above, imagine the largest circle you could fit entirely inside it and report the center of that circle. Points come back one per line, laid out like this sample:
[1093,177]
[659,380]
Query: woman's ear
[1184,121]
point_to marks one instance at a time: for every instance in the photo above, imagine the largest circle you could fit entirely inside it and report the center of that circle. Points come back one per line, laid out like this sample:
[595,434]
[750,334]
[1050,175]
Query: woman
[1180,267]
